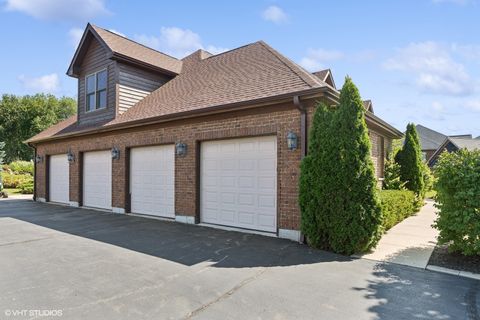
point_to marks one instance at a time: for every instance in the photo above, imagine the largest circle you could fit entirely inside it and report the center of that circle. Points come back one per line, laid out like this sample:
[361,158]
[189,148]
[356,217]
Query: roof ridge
[303,75]
[136,42]
[231,50]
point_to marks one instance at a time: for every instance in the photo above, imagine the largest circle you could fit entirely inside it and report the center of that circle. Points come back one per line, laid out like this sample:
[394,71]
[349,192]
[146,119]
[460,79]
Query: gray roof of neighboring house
[467,143]
[429,139]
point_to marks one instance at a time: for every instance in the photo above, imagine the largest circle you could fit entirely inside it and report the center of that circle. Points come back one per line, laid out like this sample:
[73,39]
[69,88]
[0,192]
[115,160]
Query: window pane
[91,84]
[91,102]
[102,80]
[102,99]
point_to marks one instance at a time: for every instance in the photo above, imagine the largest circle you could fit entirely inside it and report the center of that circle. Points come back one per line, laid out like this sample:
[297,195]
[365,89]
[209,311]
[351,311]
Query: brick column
[119,181]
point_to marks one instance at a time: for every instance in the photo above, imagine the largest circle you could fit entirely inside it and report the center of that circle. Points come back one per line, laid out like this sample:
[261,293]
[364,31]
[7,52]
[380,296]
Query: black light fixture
[180,149]
[38,159]
[70,156]
[115,153]
[292,140]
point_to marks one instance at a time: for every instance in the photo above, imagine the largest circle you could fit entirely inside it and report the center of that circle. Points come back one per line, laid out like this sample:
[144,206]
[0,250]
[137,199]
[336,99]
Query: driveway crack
[226,294]
[471,302]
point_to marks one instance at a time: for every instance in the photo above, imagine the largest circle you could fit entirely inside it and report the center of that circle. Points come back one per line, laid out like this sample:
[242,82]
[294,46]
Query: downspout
[303,139]
[34,172]
[303,125]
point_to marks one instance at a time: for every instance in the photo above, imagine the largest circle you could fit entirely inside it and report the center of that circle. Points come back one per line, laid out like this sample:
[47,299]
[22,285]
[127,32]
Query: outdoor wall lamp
[180,149]
[70,156]
[115,153]
[292,140]
[38,159]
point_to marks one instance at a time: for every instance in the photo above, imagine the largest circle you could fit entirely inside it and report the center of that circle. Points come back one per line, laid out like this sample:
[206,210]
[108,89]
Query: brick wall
[276,120]
[273,120]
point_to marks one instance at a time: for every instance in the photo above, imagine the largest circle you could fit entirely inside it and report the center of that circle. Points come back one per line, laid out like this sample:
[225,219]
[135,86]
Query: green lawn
[11,191]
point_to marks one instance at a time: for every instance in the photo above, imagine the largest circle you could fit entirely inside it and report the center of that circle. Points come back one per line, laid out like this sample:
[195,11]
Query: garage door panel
[97,179]
[238,183]
[59,179]
[152,176]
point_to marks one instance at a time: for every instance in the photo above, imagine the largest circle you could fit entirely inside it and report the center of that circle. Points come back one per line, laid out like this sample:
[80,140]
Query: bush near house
[15,181]
[396,206]
[338,197]
[26,188]
[21,167]
[458,201]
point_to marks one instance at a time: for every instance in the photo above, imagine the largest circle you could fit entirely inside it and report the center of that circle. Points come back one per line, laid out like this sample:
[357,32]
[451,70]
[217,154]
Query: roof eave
[125,58]
[243,105]
[393,132]
[88,29]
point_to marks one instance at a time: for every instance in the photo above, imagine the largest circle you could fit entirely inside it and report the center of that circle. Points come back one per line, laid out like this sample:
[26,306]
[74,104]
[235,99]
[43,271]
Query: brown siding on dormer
[96,60]
[134,84]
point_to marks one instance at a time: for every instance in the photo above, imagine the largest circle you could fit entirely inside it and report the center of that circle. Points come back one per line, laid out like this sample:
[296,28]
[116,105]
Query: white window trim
[95,95]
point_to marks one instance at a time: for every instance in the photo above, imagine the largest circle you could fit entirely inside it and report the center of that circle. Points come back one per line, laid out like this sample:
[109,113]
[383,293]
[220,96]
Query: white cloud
[177,42]
[216,50]
[433,68]
[469,52]
[59,9]
[473,105]
[75,34]
[316,58]
[275,14]
[49,83]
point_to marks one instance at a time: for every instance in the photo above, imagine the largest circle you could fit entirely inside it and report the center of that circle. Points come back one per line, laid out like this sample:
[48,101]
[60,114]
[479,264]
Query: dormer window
[96,91]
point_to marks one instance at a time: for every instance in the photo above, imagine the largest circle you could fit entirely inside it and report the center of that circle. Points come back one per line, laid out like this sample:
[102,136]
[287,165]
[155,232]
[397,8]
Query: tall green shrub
[458,201]
[340,208]
[410,161]
[315,178]
[392,175]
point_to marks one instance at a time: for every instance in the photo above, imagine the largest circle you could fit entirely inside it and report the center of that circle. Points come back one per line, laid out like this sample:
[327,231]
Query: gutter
[303,124]
[34,171]
[243,105]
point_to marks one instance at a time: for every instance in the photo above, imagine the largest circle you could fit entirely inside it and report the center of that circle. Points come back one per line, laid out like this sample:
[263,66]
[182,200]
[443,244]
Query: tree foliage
[458,201]
[2,156]
[21,117]
[410,161]
[392,171]
[338,196]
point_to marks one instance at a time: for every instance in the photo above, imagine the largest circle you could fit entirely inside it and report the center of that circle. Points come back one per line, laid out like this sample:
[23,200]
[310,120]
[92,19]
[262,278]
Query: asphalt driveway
[96,265]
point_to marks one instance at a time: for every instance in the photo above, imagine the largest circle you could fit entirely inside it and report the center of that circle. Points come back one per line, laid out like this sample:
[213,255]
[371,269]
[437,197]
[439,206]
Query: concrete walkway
[411,242]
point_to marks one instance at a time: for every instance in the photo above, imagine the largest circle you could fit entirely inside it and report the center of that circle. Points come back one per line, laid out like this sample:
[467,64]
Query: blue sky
[418,60]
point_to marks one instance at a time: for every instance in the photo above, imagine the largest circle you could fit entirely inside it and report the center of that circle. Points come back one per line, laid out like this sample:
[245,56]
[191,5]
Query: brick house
[204,139]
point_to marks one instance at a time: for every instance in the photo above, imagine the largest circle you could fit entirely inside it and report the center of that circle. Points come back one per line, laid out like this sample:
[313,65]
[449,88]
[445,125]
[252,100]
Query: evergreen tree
[338,196]
[315,178]
[410,161]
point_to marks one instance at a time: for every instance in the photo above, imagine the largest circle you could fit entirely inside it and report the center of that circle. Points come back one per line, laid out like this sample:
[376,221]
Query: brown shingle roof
[322,74]
[248,73]
[131,49]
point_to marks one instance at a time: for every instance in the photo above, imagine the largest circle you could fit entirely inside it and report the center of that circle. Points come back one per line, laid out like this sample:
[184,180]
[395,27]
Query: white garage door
[59,179]
[239,183]
[97,179]
[152,180]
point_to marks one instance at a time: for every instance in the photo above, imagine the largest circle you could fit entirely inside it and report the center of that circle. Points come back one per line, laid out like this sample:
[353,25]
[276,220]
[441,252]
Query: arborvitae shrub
[338,195]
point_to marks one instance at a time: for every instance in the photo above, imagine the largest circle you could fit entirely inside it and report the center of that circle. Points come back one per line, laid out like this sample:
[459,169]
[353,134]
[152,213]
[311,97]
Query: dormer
[326,76]
[368,105]
[114,73]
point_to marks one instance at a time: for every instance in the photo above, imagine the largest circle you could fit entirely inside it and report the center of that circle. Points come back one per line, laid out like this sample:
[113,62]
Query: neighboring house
[206,139]
[453,144]
[430,141]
